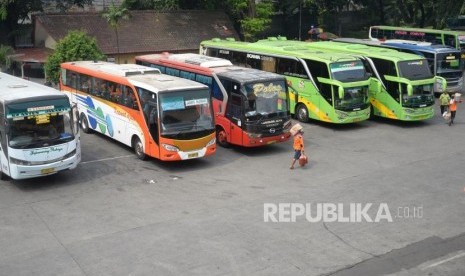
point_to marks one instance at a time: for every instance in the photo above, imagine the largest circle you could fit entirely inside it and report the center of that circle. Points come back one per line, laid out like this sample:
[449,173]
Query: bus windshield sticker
[172,103]
[270,91]
[203,101]
[42,119]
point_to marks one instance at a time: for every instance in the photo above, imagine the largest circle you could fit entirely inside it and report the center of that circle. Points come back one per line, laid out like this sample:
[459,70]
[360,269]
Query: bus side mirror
[442,82]
[409,90]
[75,111]
[340,91]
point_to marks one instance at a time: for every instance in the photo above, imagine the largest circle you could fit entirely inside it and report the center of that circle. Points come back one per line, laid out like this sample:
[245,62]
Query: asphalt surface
[116,215]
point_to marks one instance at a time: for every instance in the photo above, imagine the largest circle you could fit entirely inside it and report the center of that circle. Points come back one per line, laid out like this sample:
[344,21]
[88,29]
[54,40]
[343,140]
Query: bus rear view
[39,135]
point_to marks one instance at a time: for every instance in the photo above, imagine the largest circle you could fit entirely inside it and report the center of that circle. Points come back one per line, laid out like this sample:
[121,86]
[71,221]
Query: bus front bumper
[24,172]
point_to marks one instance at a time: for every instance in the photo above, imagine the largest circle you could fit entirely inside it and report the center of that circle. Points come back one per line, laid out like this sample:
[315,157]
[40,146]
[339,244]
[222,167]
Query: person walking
[298,144]
[453,107]
[444,100]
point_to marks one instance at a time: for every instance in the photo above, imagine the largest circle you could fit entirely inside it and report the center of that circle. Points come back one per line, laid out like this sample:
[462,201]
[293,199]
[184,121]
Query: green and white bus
[325,87]
[454,39]
[39,131]
[401,85]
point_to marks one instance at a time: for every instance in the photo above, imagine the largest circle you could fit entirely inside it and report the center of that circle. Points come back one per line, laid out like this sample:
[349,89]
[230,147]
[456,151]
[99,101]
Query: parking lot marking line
[106,159]
[446,260]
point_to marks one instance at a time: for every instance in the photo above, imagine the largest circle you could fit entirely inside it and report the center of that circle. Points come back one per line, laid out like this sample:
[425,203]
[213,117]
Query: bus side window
[85,83]
[285,66]
[254,63]
[269,64]
[239,58]
[386,67]
[130,99]
[216,91]
[71,79]
[212,52]
[449,40]
[320,69]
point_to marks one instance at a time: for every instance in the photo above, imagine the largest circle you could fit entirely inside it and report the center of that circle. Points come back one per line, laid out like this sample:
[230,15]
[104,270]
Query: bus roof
[436,31]
[279,47]
[138,75]
[365,50]
[402,44]
[221,67]
[17,89]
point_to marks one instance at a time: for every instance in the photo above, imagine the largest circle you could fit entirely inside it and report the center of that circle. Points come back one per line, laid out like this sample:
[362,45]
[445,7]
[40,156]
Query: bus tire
[301,113]
[84,124]
[3,177]
[138,148]
[222,137]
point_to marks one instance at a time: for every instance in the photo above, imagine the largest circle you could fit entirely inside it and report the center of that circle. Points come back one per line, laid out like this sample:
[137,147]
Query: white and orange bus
[251,106]
[158,115]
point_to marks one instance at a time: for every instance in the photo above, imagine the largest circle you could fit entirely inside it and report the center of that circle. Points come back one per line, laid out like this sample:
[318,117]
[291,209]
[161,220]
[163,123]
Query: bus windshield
[348,71]
[38,124]
[414,70]
[422,96]
[448,62]
[264,98]
[185,111]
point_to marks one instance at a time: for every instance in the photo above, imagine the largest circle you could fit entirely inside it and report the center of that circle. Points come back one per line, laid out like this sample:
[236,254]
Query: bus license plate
[193,155]
[47,171]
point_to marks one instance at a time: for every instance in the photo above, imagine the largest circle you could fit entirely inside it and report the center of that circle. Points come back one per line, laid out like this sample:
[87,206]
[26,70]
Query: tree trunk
[117,45]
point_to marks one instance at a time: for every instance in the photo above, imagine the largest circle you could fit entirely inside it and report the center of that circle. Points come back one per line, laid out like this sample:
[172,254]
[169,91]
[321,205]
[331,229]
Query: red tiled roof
[39,55]
[144,31]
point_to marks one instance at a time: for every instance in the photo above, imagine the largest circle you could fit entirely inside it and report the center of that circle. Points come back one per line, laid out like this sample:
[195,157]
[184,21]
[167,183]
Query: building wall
[42,39]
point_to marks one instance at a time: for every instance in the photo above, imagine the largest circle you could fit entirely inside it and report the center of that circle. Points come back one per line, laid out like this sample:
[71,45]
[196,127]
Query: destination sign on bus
[410,33]
[340,66]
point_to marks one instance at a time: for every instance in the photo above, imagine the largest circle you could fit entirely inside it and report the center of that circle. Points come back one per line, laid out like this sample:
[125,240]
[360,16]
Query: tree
[77,45]
[4,60]
[114,15]
[14,11]
[158,5]
[254,18]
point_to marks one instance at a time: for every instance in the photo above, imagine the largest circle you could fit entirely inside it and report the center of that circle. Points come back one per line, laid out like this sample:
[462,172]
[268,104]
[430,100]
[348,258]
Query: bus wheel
[302,113]
[222,137]
[3,176]
[139,148]
[84,124]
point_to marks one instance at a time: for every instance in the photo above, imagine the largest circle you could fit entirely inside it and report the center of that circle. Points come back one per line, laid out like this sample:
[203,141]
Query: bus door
[233,113]
[4,168]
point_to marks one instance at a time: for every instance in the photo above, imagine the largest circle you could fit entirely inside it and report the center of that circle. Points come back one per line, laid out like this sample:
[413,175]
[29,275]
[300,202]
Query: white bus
[38,130]
[158,115]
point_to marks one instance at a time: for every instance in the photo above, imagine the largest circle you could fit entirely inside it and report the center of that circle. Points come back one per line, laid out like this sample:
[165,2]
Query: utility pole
[300,20]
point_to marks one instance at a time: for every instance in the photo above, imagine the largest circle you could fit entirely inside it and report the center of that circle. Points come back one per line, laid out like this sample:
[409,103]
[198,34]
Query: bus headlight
[19,162]
[211,142]
[287,126]
[170,147]
[254,135]
[68,155]
[341,115]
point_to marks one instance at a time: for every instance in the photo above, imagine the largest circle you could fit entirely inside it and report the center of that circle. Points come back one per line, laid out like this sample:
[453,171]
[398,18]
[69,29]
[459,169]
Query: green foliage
[114,15]
[77,45]
[158,5]
[254,18]
[4,60]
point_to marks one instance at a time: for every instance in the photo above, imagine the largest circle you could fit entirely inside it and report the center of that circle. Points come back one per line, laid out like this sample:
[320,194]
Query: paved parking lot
[116,215]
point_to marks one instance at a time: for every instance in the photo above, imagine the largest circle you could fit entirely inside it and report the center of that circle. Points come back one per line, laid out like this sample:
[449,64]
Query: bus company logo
[254,56]
[45,151]
[420,62]
[270,91]
[272,130]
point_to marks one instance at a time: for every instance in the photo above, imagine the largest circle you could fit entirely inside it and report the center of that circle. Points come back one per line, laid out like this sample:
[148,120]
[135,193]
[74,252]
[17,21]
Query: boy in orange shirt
[298,147]
[453,109]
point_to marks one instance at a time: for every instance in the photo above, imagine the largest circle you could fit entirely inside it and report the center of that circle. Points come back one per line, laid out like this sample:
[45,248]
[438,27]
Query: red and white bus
[161,116]
[251,106]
